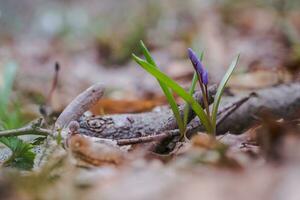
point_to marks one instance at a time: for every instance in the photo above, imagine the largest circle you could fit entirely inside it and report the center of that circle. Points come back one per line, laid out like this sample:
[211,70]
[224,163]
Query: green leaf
[191,92]
[147,54]
[59,137]
[166,90]
[177,89]
[22,156]
[39,140]
[220,90]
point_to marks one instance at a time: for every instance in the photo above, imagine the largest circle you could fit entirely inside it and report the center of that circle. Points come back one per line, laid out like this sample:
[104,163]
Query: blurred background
[93,41]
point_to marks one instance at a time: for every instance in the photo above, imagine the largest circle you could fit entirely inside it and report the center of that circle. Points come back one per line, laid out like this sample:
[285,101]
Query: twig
[54,82]
[149,138]
[33,128]
[27,130]
[44,110]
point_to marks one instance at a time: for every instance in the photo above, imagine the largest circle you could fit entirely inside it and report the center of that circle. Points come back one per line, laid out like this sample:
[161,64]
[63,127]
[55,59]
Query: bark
[282,101]
[126,126]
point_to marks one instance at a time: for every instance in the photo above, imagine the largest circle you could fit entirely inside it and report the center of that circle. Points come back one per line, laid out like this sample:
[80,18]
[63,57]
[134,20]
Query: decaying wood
[228,110]
[126,126]
[283,101]
[224,113]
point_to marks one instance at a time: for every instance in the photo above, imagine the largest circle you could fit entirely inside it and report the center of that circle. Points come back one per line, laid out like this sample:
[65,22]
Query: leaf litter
[259,163]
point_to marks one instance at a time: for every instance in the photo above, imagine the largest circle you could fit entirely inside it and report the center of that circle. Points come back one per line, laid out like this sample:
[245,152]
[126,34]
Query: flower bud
[195,61]
[204,77]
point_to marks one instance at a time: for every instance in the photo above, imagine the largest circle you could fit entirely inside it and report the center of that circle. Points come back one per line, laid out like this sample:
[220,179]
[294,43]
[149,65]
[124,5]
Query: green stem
[205,97]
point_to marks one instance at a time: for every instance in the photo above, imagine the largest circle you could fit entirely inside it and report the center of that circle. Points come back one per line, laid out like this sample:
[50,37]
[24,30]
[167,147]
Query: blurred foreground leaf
[9,77]
[10,114]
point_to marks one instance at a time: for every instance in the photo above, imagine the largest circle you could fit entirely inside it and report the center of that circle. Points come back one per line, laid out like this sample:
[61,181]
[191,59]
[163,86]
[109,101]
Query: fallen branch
[127,126]
[228,110]
[239,113]
[282,101]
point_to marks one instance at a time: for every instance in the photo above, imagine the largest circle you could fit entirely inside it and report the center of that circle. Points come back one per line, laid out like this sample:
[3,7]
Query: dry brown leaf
[111,106]
[93,153]
[259,79]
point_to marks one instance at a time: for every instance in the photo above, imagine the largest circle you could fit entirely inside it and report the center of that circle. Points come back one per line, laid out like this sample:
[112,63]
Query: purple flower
[198,66]
[204,77]
[195,61]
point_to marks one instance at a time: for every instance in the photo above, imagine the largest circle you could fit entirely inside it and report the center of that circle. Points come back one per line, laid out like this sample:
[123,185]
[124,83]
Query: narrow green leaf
[165,89]
[220,90]
[147,54]
[39,140]
[191,92]
[177,89]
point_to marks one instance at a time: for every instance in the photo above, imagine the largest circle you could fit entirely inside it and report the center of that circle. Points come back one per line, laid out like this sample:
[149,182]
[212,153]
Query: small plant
[208,118]
[22,156]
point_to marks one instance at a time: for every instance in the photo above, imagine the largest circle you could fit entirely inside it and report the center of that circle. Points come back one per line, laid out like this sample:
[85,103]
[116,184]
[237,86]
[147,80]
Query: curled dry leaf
[90,153]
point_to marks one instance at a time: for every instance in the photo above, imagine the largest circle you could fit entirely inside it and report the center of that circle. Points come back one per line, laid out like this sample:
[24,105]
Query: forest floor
[255,154]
